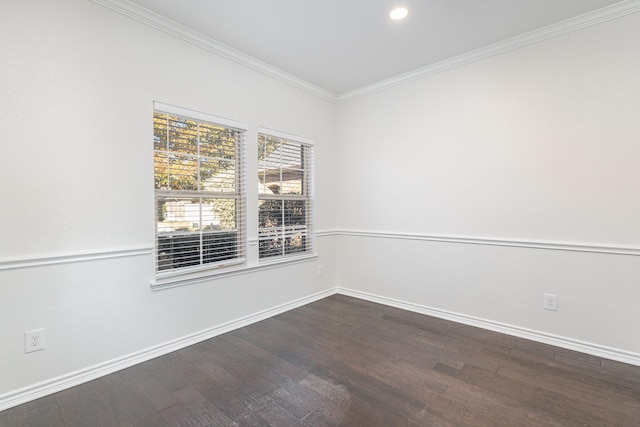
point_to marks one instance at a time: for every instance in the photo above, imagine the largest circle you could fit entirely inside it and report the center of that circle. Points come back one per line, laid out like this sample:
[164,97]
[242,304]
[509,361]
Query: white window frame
[184,275]
[307,196]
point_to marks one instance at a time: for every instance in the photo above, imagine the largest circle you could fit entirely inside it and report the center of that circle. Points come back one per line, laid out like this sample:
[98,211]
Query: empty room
[320,213]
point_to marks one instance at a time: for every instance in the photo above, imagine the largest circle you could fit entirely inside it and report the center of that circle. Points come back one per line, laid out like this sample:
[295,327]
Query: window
[285,195]
[199,191]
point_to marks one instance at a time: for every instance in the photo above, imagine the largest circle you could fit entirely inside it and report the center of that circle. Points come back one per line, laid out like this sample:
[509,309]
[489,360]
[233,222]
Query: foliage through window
[199,192]
[285,225]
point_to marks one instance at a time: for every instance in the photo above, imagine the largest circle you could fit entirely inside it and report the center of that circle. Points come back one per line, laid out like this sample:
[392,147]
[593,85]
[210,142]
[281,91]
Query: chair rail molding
[471,240]
[72,257]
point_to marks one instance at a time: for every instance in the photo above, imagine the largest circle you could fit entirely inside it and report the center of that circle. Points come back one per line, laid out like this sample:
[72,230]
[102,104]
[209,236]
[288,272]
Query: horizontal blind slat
[285,191]
[199,170]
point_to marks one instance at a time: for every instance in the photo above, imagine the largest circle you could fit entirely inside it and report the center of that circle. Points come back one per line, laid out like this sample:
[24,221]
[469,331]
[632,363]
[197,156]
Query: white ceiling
[344,45]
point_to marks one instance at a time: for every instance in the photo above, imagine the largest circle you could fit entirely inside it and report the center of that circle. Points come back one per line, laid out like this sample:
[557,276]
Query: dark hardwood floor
[343,361]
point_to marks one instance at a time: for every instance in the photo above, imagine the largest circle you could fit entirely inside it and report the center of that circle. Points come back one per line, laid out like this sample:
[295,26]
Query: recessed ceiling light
[398,13]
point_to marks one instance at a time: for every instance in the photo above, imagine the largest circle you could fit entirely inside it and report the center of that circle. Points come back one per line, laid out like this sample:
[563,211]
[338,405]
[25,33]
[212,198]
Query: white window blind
[285,195]
[199,191]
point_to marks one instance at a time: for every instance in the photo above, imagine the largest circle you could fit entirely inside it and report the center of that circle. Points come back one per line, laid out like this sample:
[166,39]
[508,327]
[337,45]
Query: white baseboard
[542,337]
[63,382]
[36,391]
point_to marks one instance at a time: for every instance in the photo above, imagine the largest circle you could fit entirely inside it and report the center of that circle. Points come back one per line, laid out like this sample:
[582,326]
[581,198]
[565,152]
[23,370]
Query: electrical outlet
[550,302]
[33,340]
[321,270]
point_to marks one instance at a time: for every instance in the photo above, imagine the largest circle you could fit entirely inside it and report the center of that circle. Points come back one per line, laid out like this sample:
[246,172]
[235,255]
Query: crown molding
[573,24]
[175,29]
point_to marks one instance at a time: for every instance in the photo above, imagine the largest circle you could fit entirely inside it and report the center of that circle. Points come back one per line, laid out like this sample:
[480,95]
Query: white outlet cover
[33,340]
[550,302]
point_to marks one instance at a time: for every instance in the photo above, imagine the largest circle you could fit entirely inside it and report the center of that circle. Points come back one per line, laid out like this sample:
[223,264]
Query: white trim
[63,382]
[532,244]
[177,281]
[208,269]
[72,257]
[529,334]
[326,233]
[180,31]
[573,24]
[170,27]
[197,115]
[284,135]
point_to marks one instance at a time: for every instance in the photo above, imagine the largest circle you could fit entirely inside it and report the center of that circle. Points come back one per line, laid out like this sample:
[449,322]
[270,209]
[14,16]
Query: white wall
[537,145]
[78,84]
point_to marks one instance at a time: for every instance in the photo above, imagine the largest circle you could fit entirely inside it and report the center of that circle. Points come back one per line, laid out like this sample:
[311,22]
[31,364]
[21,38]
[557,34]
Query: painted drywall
[540,144]
[536,144]
[78,84]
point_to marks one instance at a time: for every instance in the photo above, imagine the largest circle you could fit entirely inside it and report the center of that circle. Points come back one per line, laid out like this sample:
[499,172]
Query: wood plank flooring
[342,361]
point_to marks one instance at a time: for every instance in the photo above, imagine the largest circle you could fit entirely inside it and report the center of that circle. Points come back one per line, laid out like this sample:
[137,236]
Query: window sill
[204,276]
